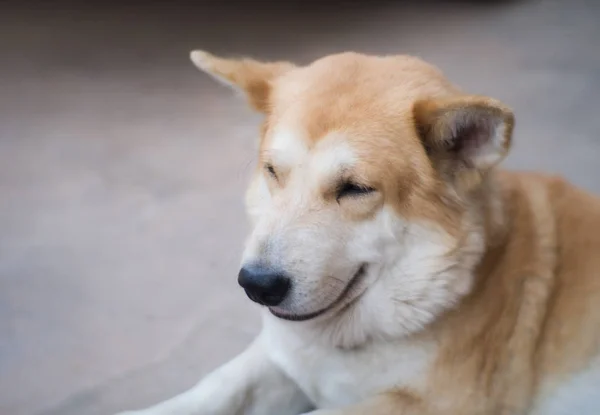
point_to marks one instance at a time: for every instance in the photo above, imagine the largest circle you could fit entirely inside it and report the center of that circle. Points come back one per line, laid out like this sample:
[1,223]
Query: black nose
[263,285]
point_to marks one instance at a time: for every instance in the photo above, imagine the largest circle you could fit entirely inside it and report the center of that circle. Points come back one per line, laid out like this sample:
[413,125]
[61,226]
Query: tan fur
[375,116]
[532,316]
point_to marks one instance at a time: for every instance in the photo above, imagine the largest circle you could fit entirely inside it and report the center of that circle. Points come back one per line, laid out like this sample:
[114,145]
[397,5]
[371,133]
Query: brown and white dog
[400,271]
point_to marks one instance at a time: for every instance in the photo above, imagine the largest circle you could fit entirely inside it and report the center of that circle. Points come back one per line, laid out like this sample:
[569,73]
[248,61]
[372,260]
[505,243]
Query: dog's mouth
[358,276]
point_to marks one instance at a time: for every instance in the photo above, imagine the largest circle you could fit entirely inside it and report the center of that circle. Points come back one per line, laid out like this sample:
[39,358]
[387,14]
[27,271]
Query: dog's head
[362,201]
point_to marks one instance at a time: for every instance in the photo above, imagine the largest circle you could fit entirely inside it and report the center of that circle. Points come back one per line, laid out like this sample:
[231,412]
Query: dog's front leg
[250,384]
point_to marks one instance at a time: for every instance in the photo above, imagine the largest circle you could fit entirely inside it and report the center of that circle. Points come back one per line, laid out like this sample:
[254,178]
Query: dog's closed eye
[350,189]
[271,170]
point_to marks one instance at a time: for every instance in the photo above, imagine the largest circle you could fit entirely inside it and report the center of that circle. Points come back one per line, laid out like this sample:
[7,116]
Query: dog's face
[365,177]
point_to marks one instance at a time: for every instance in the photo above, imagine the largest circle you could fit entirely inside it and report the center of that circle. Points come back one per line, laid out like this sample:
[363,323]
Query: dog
[399,269]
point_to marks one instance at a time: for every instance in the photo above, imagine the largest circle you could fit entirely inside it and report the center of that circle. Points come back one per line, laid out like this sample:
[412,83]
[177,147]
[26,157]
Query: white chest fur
[333,377]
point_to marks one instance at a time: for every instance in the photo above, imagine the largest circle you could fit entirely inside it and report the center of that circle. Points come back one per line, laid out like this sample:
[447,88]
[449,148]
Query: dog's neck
[498,198]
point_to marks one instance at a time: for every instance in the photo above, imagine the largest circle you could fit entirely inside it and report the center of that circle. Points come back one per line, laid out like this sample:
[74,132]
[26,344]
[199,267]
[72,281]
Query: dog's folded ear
[252,77]
[464,136]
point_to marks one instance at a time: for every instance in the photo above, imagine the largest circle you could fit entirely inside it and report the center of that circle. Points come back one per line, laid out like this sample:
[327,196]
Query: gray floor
[122,169]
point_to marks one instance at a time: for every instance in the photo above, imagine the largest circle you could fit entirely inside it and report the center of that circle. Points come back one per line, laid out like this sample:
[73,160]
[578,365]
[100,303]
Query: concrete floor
[122,169]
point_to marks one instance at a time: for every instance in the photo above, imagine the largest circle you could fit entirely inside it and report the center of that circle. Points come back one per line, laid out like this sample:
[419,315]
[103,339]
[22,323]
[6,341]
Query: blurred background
[122,167]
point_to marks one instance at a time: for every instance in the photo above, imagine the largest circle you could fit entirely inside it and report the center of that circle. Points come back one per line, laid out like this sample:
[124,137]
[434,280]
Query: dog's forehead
[352,92]
[350,110]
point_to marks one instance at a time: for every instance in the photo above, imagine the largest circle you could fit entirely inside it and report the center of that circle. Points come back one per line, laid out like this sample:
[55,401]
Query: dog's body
[421,279]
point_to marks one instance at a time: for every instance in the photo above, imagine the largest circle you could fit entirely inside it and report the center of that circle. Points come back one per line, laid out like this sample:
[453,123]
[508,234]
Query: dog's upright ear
[252,77]
[464,136]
